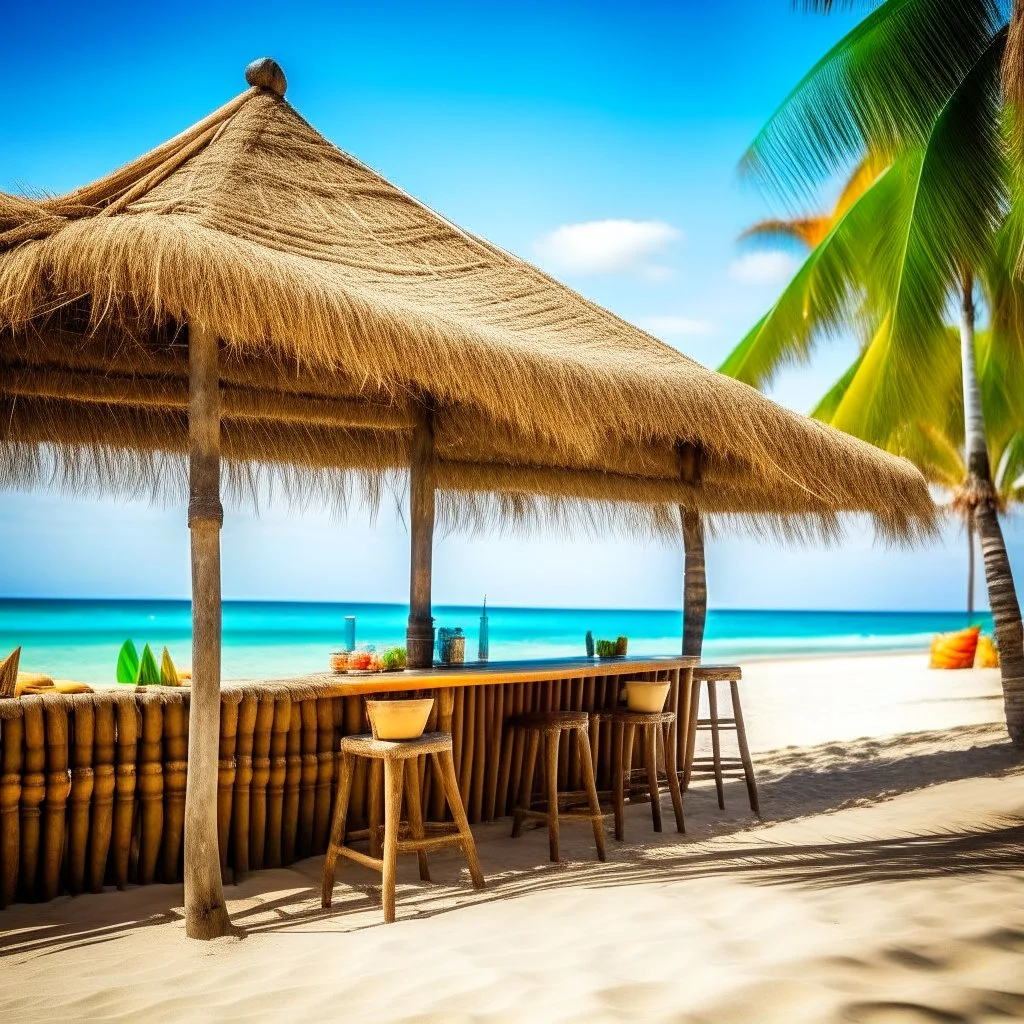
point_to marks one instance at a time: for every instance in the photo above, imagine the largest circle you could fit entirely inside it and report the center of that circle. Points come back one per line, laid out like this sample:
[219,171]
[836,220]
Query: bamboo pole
[150,788]
[124,790]
[419,636]
[307,779]
[175,773]
[275,783]
[83,728]
[102,815]
[206,916]
[33,790]
[58,786]
[325,747]
[292,780]
[12,734]
[240,801]
[226,771]
[260,778]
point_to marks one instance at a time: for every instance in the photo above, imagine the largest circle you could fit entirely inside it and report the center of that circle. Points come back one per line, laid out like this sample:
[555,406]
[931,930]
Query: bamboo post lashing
[12,755]
[242,795]
[33,792]
[206,915]
[125,777]
[226,771]
[83,780]
[58,786]
[175,770]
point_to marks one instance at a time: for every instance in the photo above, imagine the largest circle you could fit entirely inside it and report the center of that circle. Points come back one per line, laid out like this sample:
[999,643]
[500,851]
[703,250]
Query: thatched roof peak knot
[266,73]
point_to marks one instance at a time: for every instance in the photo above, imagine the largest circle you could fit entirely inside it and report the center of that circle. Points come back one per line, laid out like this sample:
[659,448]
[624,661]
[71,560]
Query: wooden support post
[419,636]
[206,915]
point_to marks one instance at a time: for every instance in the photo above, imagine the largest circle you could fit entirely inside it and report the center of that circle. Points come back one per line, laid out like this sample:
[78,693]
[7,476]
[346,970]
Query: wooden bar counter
[488,759]
[277,767]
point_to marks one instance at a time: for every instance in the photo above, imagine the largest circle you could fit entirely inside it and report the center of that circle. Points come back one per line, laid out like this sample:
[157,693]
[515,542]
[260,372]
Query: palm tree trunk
[695,589]
[1002,596]
[969,527]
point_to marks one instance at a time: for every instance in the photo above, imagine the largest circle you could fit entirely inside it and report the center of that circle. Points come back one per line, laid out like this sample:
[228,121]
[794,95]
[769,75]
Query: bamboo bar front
[92,785]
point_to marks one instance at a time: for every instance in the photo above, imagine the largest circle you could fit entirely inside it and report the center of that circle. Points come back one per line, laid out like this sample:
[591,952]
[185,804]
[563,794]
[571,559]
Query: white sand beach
[886,884]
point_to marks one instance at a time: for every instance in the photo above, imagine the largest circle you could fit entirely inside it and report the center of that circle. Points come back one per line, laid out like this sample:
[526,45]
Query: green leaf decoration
[168,673]
[149,674]
[128,664]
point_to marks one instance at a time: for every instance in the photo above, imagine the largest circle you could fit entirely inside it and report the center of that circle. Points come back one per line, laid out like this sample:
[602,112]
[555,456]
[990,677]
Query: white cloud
[770,267]
[678,326]
[609,247]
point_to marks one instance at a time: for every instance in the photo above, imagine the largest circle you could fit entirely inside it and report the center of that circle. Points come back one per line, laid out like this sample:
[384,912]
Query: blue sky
[600,140]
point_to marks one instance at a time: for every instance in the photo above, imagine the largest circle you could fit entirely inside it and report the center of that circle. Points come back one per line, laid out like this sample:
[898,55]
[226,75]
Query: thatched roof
[341,302]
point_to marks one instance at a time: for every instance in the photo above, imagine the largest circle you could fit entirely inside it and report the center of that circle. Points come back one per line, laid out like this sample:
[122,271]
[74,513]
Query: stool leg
[671,771]
[393,772]
[375,813]
[741,738]
[337,830]
[587,770]
[691,731]
[618,771]
[446,764]
[414,798]
[716,742]
[627,758]
[551,780]
[526,783]
[650,744]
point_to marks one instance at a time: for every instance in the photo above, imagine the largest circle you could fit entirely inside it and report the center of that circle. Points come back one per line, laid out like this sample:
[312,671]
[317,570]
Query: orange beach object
[955,650]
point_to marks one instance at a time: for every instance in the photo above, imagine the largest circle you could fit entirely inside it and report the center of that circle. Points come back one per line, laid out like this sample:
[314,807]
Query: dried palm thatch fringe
[340,300]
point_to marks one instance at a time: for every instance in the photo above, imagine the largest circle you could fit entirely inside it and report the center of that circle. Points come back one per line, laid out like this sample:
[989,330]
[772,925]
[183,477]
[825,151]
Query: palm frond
[878,90]
[823,296]
[942,220]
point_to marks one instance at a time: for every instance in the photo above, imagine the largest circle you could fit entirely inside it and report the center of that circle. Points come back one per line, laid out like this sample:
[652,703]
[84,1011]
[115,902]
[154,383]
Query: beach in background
[80,639]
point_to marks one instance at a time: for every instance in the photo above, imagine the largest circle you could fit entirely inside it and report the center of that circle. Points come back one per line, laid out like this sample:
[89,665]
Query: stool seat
[635,717]
[551,725]
[400,762]
[366,745]
[551,721]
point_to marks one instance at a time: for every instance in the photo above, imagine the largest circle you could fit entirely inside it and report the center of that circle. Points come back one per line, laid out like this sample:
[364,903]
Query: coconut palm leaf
[878,90]
[944,220]
[825,294]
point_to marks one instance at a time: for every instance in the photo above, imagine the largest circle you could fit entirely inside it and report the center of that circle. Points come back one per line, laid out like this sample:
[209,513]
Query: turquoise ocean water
[79,639]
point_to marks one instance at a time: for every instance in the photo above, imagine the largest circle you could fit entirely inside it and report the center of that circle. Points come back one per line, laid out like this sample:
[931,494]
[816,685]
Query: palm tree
[935,443]
[916,84]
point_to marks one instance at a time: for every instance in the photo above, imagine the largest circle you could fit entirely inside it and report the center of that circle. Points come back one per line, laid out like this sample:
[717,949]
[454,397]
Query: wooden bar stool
[550,725]
[653,726]
[399,760]
[716,766]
